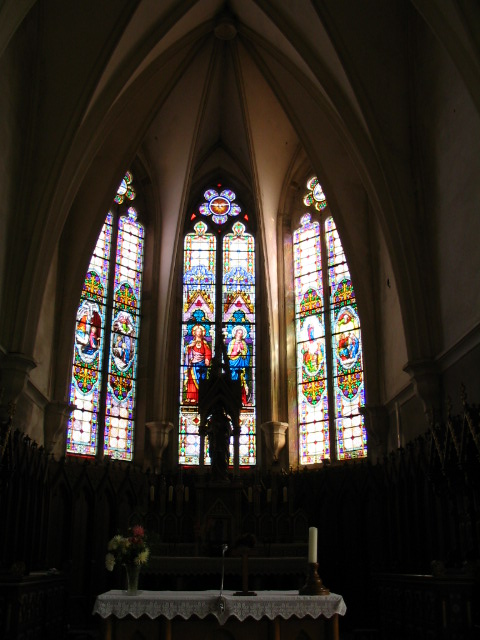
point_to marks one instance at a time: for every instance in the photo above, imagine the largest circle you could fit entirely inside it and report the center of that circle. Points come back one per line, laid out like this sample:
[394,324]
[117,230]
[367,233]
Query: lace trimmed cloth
[269,604]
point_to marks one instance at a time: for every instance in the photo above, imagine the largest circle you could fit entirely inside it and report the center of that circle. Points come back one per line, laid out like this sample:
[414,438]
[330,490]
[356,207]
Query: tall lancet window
[103,384]
[218,296]
[330,385]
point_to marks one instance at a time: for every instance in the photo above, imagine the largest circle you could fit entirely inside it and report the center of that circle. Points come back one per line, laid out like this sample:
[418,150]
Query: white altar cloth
[269,604]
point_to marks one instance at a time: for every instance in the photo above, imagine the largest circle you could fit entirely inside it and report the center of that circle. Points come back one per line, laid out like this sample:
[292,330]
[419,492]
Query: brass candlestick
[314,585]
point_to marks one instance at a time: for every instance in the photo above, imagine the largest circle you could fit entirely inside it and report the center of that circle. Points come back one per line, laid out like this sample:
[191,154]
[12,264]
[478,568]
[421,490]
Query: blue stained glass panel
[349,389]
[312,383]
[120,399]
[238,297]
[82,428]
[198,335]
[199,315]
[314,379]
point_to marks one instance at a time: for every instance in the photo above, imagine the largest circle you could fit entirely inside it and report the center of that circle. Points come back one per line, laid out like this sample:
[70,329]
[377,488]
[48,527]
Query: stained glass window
[103,388]
[239,322]
[198,333]
[315,195]
[348,384]
[330,385]
[218,290]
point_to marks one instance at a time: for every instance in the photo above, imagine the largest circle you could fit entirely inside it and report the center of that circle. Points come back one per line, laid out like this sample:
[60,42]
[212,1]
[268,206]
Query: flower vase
[133,571]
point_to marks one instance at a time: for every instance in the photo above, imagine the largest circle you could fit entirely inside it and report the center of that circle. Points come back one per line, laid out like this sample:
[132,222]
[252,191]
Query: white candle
[312,544]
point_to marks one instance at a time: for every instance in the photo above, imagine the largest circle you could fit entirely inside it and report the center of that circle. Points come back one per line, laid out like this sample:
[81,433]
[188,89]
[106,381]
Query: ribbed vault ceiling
[230,75]
[255,94]
[237,91]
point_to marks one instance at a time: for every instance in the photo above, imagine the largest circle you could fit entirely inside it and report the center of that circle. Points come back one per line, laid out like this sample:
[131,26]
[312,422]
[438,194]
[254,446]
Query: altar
[207,615]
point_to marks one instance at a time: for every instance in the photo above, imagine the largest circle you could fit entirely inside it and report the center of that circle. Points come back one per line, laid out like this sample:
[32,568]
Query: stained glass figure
[239,328]
[348,384]
[312,396]
[234,253]
[198,318]
[325,431]
[120,400]
[112,408]
[85,386]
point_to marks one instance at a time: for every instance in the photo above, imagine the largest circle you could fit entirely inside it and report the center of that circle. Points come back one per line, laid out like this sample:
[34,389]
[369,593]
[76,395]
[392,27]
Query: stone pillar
[426,383]
[15,371]
[274,437]
[55,425]
[376,423]
[236,451]
[159,435]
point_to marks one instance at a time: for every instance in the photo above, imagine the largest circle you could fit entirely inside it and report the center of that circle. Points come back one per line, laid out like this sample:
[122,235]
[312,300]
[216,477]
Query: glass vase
[133,571]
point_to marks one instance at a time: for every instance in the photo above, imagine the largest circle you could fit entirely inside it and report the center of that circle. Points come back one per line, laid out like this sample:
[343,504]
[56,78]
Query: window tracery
[330,383]
[103,383]
[218,296]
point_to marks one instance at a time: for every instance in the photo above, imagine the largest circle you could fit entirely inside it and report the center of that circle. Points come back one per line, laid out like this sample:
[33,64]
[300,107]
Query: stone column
[55,426]
[15,371]
[426,383]
[376,423]
[274,436]
[159,436]
[236,451]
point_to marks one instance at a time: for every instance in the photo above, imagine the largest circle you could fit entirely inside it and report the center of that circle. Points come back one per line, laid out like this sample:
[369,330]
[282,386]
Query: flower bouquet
[132,552]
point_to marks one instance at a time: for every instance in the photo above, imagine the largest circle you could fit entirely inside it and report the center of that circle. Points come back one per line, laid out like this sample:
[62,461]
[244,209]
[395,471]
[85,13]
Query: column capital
[55,425]
[377,424]
[274,436]
[159,431]
[15,371]
[426,383]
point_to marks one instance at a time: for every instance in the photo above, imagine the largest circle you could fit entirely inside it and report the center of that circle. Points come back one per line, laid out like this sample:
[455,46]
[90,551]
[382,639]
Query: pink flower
[138,531]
